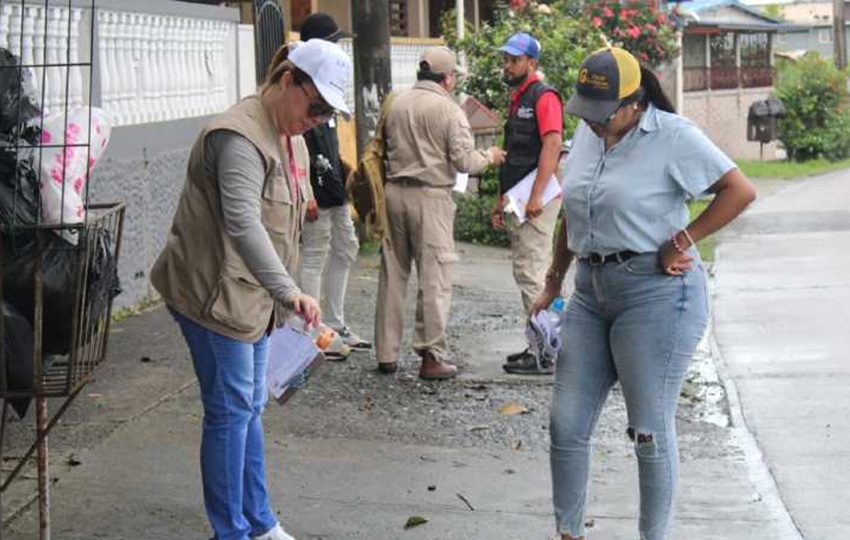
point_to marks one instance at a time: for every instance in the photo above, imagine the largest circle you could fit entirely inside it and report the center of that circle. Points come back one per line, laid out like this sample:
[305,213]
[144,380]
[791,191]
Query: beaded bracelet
[676,245]
[675,242]
[688,236]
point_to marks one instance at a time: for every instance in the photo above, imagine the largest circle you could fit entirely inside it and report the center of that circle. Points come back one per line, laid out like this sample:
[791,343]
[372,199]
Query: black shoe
[528,364]
[517,356]
[387,367]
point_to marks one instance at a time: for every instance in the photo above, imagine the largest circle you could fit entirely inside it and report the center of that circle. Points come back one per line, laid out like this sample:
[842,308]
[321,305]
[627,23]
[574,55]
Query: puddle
[703,387]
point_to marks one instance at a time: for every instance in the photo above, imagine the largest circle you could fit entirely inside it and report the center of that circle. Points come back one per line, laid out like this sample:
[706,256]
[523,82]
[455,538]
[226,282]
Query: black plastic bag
[58,283]
[17,344]
[19,197]
[18,104]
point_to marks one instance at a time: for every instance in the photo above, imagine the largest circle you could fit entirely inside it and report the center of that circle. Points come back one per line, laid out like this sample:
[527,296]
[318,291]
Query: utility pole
[372,67]
[461,29]
[839,40]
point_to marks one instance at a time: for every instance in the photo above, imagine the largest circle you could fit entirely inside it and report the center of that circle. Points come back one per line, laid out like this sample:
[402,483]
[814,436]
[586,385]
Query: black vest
[325,168]
[522,137]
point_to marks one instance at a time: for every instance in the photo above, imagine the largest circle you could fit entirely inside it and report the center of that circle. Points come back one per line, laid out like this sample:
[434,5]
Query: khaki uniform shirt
[429,139]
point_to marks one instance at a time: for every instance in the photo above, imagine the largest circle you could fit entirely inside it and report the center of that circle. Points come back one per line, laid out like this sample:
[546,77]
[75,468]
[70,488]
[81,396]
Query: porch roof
[727,15]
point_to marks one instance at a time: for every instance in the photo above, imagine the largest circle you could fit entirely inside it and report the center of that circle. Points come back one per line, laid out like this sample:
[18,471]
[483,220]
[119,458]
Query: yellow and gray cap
[606,77]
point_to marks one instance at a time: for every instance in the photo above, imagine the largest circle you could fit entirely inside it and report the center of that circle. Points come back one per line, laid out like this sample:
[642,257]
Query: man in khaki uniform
[428,140]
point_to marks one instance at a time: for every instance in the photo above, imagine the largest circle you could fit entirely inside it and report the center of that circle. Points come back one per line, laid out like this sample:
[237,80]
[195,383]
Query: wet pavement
[781,321]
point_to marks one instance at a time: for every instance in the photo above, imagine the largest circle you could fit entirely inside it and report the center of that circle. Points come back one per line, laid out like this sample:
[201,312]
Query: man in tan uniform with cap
[428,141]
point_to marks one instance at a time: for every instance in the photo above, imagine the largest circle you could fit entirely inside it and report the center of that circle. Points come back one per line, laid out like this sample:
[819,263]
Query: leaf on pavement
[512,407]
[415,521]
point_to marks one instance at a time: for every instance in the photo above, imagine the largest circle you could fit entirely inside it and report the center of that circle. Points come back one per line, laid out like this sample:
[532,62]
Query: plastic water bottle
[556,311]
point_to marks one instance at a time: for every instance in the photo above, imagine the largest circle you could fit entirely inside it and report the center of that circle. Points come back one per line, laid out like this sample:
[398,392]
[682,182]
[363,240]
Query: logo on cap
[598,81]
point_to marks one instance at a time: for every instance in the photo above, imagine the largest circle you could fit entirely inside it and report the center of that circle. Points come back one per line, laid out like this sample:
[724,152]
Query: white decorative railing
[47,40]
[404,59]
[405,63]
[152,63]
[157,67]
[150,67]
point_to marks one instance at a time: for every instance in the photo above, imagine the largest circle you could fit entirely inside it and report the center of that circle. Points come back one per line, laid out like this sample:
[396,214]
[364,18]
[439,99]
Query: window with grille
[724,68]
[722,49]
[398,17]
[694,66]
[756,70]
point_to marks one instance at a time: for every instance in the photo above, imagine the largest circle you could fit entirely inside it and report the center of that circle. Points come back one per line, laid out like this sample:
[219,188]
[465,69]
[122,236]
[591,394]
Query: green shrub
[472,220]
[816,123]
[565,35]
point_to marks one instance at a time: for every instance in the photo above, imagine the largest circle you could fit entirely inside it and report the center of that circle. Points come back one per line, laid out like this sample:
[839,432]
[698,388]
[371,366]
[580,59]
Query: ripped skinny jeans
[630,322]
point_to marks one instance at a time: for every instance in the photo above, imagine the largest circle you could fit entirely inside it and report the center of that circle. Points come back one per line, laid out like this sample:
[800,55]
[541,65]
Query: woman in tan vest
[224,272]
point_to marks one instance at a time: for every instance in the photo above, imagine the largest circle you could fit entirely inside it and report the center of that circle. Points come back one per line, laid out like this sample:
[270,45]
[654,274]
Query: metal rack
[90,263]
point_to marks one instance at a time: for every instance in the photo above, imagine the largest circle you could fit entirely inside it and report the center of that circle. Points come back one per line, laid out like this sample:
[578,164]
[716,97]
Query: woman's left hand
[673,262]
[308,308]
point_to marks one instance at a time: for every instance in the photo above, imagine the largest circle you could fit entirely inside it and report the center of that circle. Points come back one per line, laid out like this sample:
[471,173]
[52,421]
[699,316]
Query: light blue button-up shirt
[633,197]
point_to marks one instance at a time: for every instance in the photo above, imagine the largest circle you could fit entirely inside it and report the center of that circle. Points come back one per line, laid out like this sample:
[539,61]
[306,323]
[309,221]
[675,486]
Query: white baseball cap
[329,67]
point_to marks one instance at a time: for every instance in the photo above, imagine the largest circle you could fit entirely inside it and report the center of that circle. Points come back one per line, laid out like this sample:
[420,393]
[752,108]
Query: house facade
[727,64]
[810,28]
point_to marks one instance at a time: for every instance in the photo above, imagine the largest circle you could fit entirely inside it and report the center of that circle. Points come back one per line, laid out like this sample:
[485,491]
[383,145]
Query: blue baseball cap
[522,44]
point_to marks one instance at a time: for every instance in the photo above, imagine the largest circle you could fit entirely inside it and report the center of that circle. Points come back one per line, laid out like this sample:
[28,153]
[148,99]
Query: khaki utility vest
[199,273]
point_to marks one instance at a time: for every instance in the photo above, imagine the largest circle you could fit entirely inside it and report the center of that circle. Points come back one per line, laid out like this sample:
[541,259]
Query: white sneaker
[352,340]
[277,533]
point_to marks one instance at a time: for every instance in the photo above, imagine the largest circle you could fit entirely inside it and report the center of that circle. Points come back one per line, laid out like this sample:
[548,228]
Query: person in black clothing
[329,242]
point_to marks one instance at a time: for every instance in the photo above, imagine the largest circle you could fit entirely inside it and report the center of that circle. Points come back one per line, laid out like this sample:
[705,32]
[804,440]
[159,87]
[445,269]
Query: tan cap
[441,60]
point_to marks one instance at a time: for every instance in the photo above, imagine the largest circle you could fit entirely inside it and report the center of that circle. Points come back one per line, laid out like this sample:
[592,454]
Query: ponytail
[653,93]
[279,57]
[280,65]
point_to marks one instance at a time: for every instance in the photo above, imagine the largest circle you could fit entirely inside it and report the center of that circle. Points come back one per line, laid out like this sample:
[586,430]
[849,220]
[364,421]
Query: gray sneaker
[353,340]
[528,364]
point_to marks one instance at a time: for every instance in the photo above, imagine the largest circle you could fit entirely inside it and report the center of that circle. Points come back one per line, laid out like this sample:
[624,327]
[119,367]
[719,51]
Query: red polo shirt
[548,110]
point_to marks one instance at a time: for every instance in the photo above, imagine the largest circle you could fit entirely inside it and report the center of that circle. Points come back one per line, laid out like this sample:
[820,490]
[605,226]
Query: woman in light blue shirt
[640,305]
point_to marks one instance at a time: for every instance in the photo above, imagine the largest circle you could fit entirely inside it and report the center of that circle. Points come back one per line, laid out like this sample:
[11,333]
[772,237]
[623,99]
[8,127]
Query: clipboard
[292,355]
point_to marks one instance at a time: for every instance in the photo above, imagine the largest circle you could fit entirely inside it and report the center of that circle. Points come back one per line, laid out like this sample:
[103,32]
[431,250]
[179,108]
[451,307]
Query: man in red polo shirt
[533,134]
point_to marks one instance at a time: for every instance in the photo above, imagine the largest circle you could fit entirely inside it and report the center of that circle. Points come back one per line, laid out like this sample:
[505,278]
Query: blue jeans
[629,322]
[232,378]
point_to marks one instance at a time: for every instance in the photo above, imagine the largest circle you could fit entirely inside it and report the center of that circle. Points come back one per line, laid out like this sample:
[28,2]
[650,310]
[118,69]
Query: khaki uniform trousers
[420,229]
[531,251]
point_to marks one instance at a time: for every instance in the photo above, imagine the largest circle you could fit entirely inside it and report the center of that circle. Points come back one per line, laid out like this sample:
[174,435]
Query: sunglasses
[318,107]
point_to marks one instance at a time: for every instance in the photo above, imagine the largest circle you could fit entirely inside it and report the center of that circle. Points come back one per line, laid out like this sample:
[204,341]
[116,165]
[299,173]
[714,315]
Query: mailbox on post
[762,121]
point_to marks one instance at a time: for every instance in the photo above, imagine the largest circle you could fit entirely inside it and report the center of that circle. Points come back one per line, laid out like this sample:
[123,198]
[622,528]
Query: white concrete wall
[247,67]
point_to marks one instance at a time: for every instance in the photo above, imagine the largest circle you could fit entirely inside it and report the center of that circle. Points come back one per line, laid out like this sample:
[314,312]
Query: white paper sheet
[461,182]
[518,195]
[290,352]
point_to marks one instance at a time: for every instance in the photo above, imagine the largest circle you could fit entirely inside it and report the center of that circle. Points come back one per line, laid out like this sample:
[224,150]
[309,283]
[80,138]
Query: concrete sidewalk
[782,296]
[356,454]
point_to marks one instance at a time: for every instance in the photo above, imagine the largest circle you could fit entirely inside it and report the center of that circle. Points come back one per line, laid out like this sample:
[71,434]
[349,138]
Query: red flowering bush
[638,27]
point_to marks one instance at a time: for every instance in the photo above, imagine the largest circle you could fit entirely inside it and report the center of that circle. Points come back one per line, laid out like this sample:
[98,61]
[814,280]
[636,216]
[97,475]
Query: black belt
[595,259]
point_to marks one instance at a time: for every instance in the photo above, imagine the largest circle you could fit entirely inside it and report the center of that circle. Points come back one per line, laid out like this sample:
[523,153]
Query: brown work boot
[435,369]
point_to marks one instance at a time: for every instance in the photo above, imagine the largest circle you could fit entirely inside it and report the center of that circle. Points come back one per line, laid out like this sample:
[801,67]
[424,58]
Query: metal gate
[268,34]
